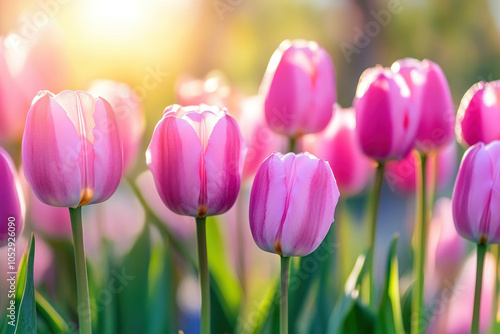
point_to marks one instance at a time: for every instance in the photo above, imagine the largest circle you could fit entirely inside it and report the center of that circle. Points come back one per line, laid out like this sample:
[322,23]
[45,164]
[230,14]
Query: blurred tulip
[445,248]
[476,196]
[479,114]
[12,204]
[71,149]
[454,305]
[292,203]
[261,141]
[181,226]
[129,115]
[401,175]
[432,97]
[26,67]
[338,145]
[196,156]
[212,90]
[386,120]
[299,88]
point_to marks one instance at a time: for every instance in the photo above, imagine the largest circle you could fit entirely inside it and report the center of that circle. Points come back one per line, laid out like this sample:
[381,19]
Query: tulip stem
[285,273]
[421,245]
[82,286]
[204,275]
[496,324]
[292,144]
[481,252]
[372,216]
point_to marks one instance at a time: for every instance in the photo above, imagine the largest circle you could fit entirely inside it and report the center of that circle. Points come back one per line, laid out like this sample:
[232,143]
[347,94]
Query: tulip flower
[402,175]
[292,206]
[475,212]
[12,201]
[432,97]
[129,115]
[299,88]
[386,120]
[72,156]
[196,156]
[479,114]
[338,145]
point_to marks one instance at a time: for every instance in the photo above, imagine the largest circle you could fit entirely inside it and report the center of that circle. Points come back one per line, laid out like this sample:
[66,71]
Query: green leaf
[26,323]
[390,320]
[224,285]
[348,303]
[52,318]
[130,282]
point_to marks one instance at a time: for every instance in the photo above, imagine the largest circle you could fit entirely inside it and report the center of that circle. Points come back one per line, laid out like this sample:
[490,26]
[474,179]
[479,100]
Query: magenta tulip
[12,201]
[196,156]
[432,97]
[129,115]
[292,203]
[338,145]
[386,120]
[401,175]
[299,88]
[479,114]
[476,196]
[71,149]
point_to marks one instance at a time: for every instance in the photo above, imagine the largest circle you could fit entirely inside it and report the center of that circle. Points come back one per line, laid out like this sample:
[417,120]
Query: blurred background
[154,46]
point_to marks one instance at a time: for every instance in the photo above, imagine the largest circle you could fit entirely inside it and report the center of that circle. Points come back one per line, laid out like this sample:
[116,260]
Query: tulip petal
[310,211]
[224,159]
[494,224]
[51,148]
[173,157]
[267,202]
[108,162]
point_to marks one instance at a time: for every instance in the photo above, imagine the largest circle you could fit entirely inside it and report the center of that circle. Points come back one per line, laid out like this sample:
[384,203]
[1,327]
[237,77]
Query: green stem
[285,273]
[481,251]
[82,287]
[495,327]
[240,202]
[292,144]
[421,239]
[372,216]
[204,275]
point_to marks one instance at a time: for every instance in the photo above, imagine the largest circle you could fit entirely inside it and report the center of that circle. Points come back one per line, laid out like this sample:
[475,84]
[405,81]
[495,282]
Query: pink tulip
[28,66]
[299,86]
[401,175]
[386,120]
[181,226]
[445,248]
[475,198]
[260,139]
[71,149]
[338,145]
[129,115]
[196,156]
[479,114]
[452,313]
[292,203]
[12,201]
[432,97]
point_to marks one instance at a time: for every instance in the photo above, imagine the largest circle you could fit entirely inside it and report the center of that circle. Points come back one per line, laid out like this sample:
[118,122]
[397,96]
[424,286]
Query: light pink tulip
[196,156]
[181,226]
[475,198]
[386,120]
[129,115]
[401,175]
[261,140]
[479,114]
[454,304]
[432,97]
[292,203]
[71,149]
[338,145]
[299,88]
[12,204]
